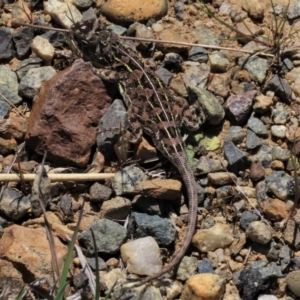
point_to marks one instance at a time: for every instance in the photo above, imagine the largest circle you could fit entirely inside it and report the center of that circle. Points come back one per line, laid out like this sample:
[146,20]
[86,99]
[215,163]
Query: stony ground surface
[244,156]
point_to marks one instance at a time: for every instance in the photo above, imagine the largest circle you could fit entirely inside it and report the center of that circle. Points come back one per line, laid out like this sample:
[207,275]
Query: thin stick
[59,177]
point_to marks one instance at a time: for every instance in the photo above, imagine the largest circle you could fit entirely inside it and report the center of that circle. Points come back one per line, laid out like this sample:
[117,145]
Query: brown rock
[28,250]
[7,144]
[275,209]
[257,172]
[17,126]
[168,189]
[66,114]
[130,11]
[219,85]
[204,287]
[144,151]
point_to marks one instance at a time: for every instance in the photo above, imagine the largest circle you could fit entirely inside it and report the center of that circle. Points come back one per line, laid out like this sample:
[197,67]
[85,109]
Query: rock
[25,65]
[117,208]
[220,84]
[276,210]
[126,180]
[247,218]
[280,115]
[206,267]
[254,8]
[133,254]
[144,151]
[292,234]
[208,165]
[196,287]
[209,103]
[263,156]
[218,236]
[236,134]
[92,263]
[168,189]
[237,159]
[204,35]
[19,245]
[252,141]
[263,104]
[65,14]
[99,192]
[293,12]
[23,38]
[130,11]
[218,62]
[109,237]
[257,126]
[278,131]
[195,74]
[6,45]
[259,232]
[14,205]
[83,4]
[164,75]
[186,268]
[198,54]
[32,81]
[172,35]
[281,88]
[113,276]
[257,172]
[172,61]
[221,178]
[292,281]
[68,137]
[42,49]
[159,228]
[238,107]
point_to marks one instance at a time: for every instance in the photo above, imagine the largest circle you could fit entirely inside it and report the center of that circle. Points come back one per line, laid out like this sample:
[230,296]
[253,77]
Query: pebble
[292,234]
[278,131]
[42,48]
[159,228]
[109,237]
[252,141]
[218,62]
[23,38]
[32,81]
[263,156]
[196,287]
[263,104]
[257,172]
[221,178]
[257,126]
[65,14]
[12,208]
[281,154]
[218,236]
[6,45]
[248,217]
[186,268]
[131,11]
[156,27]
[259,232]
[236,134]
[206,267]
[117,208]
[205,35]
[237,159]
[198,54]
[133,255]
[220,84]
[275,209]
[280,115]
[207,165]
[281,88]
[25,65]
[164,75]
[254,8]
[83,4]
[292,281]
[99,192]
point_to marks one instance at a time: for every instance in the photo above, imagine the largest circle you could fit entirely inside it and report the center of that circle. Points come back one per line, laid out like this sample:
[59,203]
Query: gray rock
[6,45]
[205,35]
[209,103]
[23,39]
[218,62]
[198,54]
[126,180]
[224,192]
[248,217]
[99,192]
[164,75]
[25,65]
[115,117]
[281,88]
[285,257]
[257,126]
[160,229]
[89,14]
[66,205]
[237,159]
[151,206]
[9,85]
[278,131]
[118,29]
[56,38]
[280,114]
[238,107]
[261,191]
[14,205]
[280,154]
[257,68]
[117,208]
[206,267]
[288,64]
[109,237]
[236,134]
[263,156]
[293,12]
[292,281]
[195,74]
[207,165]
[273,251]
[33,80]
[83,4]
[252,141]
[186,268]
[280,184]
[292,234]
[92,263]
[259,232]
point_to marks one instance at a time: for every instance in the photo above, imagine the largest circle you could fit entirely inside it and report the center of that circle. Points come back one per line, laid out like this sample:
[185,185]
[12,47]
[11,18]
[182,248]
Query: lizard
[152,109]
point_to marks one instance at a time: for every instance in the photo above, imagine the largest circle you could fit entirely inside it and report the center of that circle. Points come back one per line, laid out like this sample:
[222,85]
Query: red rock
[66,114]
[28,250]
[17,126]
[7,144]
[257,172]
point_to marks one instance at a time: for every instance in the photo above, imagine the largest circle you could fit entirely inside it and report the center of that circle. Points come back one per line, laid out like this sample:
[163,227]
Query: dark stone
[206,267]
[248,217]
[23,39]
[6,45]
[237,159]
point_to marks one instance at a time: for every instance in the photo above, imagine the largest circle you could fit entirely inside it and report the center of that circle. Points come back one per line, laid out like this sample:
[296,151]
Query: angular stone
[66,113]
